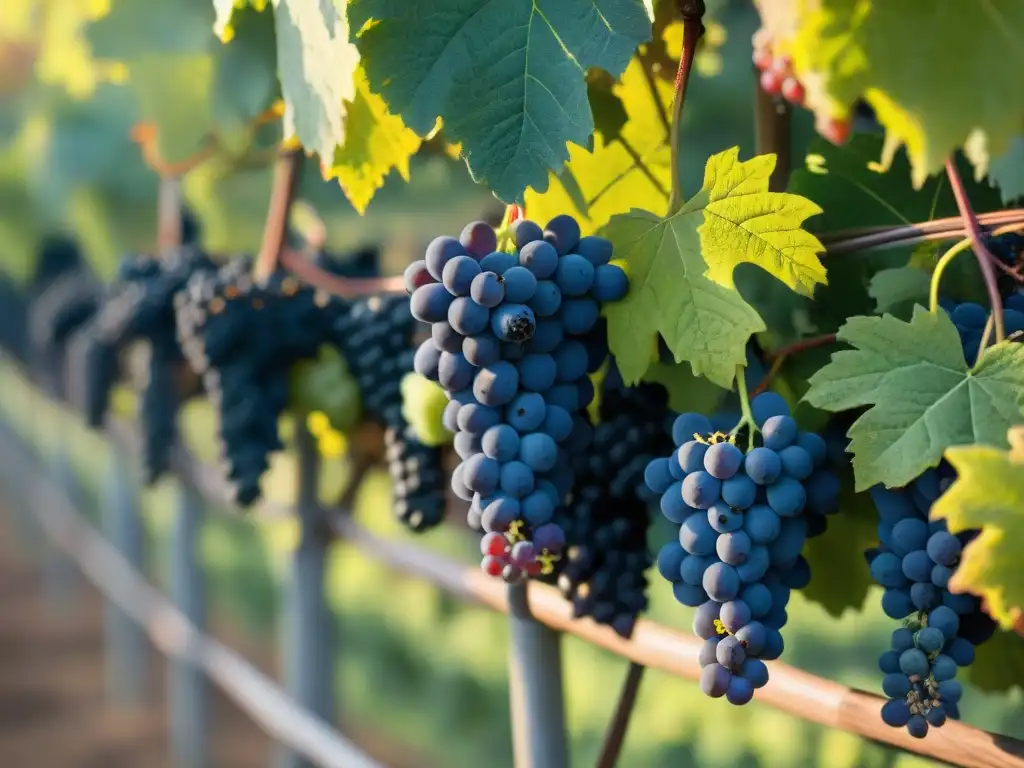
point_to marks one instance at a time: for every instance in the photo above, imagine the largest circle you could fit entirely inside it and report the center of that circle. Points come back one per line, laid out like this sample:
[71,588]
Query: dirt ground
[53,712]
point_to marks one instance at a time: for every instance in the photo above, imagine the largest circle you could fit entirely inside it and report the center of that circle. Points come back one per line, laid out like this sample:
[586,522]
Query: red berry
[493,544]
[783,67]
[793,91]
[492,566]
[771,82]
[762,59]
[836,131]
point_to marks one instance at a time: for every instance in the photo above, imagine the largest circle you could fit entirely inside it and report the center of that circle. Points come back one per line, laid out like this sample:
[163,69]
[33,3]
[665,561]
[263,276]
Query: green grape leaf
[893,288]
[924,397]
[680,268]
[245,72]
[988,494]
[896,56]
[1007,170]
[316,64]
[226,15]
[854,190]
[632,170]
[508,79]
[423,404]
[376,142]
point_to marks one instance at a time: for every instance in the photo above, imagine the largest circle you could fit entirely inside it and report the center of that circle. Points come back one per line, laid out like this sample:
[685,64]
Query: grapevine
[790,357]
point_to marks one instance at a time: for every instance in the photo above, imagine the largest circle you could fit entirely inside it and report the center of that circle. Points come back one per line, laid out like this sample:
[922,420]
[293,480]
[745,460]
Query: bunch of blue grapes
[13,320]
[607,517]
[243,336]
[1008,247]
[513,337]
[139,307]
[743,521]
[970,320]
[914,562]
[56,315]
[375,335]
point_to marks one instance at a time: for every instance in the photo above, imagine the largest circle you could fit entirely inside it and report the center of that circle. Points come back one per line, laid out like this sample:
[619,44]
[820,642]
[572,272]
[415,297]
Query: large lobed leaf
[924,397]
[901,56]
[507,77]
[376,142]
[680,268]
[989,494]
[631,169]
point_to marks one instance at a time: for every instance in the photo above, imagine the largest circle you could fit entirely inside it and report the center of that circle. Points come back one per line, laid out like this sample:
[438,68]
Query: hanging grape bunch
[914,562]
[513,337]
[607,519]
[743,521]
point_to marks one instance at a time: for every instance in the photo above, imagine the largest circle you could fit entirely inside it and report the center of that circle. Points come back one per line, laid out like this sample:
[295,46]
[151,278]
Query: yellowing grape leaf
[924,397]
[745,223]
[897,56]
[988,494]
[376,142]
[633,170]
[680,268]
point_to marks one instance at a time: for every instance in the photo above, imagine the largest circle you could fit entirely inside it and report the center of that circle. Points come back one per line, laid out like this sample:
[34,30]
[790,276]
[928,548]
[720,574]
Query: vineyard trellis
[809,333]
[300,721]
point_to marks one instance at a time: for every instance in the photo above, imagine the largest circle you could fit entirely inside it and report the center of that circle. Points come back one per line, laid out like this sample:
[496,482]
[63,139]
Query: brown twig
[772,132]
[693,28]
[343,287]
[981,253]
[147,135]
[282,194]
[616,734]
[168,217]
[779,357]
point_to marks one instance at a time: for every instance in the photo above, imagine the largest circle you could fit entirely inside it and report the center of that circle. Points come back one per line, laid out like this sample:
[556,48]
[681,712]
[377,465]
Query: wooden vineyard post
[59,573]
[307,621]
[125,644]
[188,687]
[535,688]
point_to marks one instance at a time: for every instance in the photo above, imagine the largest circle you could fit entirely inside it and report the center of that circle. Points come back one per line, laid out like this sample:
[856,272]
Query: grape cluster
[1009,247]
[375,336]
[778,79]
[970,320]
[140,307]
[914,562]
[513,338]
[62,309]
[607,516]
[13,320]
[242,337]
[743,521]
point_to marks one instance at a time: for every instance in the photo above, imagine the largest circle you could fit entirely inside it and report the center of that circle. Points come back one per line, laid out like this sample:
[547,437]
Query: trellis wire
[539,615]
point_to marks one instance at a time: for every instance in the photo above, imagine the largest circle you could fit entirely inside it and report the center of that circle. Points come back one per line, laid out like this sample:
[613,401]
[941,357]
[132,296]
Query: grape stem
[615,736]
[945,261]
[343,287]
[513,213]
[746,415]
[779,357]
[282,195]
[168,215]
[693,28]
[982,254]
[147,136]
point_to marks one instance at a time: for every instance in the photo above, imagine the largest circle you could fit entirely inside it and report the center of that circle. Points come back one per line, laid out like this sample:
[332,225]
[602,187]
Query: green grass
[421,667]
